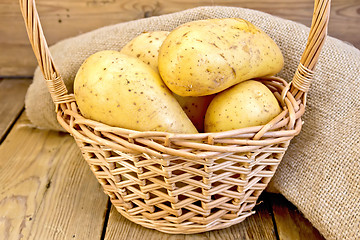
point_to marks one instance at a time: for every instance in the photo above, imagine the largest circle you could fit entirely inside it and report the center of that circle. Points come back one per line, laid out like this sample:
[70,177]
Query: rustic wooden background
[62,19]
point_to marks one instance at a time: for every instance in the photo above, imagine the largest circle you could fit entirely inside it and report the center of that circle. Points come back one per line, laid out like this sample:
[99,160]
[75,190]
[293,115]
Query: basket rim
[99,126]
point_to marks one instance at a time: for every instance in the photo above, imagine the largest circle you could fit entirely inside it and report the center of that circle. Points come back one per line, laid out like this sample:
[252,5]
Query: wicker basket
[184,183]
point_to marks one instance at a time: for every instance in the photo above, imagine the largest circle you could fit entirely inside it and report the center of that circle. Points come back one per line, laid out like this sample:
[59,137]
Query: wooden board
[62,19]
[12,95]
[47,190]
[290,223]
[256,227]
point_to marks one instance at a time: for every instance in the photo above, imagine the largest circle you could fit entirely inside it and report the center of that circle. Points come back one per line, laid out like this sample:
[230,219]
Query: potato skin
[146,47]
[249,103]
[207,56]
[122,91]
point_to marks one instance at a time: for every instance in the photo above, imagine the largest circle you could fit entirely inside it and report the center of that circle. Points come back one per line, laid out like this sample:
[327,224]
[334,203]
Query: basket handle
[59,93]
[54,82]
[318,31]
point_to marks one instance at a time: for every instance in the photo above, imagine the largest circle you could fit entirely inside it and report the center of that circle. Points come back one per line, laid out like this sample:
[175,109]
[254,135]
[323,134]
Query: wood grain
[257,227]
[62,19]
[12,95]
[290,222]
[47,190]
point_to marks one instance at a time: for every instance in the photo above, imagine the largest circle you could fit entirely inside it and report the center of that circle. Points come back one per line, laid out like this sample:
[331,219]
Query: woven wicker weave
[184,183]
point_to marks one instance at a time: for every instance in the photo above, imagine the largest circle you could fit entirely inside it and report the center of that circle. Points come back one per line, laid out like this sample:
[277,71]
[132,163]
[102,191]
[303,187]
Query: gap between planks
[290,222]
[12,96]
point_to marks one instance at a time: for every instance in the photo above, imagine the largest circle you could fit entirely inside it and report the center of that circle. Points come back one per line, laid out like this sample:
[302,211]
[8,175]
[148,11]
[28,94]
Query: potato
[146,47]
[249,103]
[207,56]
[195,108]
[122,91]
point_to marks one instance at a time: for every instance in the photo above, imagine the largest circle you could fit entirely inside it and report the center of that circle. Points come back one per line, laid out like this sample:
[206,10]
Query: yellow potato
[195,108]
[246,104]
[146,47]
[122,91]
[207,56]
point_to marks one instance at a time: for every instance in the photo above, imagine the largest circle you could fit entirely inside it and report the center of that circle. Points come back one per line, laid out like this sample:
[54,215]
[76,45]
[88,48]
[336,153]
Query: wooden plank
[47,190]
[12,95]
[62,19]
[256,227]
[290,223]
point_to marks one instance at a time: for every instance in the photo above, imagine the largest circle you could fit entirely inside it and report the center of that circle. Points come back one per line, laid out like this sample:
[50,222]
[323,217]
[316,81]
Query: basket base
[185,227]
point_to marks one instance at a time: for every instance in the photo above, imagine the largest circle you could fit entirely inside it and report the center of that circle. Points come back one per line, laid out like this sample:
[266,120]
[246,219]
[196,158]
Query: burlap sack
[320,172]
